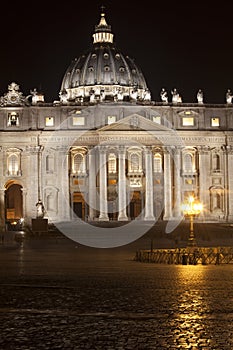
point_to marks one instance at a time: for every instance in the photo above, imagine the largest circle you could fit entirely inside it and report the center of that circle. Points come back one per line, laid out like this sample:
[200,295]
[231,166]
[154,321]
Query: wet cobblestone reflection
[64,296]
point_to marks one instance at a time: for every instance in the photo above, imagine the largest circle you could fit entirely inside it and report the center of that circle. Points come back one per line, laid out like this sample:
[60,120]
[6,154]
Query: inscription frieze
[146,138]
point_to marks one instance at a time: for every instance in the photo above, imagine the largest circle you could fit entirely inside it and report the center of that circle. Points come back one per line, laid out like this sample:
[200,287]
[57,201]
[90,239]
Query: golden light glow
[191,206]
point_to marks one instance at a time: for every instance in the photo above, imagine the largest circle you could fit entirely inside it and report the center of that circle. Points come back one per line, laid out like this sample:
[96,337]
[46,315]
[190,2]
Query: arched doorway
[13,205]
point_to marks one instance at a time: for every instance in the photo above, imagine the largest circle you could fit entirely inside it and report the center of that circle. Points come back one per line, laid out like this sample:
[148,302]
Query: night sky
[188,47]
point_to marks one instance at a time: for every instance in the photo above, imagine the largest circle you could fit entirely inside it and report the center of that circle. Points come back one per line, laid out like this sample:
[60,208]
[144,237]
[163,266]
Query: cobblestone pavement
[59,295]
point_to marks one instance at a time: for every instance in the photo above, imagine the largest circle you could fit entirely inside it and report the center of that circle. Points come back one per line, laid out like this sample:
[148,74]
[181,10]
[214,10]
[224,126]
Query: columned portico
[149,203]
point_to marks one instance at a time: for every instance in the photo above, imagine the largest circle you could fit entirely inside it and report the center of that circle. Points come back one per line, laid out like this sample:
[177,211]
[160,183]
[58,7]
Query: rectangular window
[215,122]
[157,119]
[13,119]
[78,121]
[111,119]
[49,121]
[188,121]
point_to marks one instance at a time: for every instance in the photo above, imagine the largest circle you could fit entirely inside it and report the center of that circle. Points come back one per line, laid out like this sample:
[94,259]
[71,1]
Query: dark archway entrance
[13,205]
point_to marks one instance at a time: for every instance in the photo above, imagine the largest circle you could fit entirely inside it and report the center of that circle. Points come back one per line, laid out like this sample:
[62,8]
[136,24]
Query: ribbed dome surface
[103,73]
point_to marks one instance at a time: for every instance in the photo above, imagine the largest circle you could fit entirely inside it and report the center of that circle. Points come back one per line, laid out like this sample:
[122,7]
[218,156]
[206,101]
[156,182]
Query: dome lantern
[103,33]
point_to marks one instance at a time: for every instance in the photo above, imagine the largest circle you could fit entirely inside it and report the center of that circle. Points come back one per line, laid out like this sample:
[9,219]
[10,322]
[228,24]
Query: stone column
[64,209]
[177,183]
[103,184]
[40,150]
[24,193]
[204,178]
[31,158]
[229,182]
[149,190]
[2,209]
[92,184]
[167,185]
[122,216]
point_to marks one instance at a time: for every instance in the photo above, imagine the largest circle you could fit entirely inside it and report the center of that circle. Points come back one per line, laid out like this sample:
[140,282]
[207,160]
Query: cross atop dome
[103,32]
[102,8]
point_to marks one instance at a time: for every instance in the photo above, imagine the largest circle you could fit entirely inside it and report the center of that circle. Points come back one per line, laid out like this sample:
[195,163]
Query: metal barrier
[187,256]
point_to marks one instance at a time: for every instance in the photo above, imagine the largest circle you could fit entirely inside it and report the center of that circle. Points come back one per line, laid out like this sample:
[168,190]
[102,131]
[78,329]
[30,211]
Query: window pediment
[188,113]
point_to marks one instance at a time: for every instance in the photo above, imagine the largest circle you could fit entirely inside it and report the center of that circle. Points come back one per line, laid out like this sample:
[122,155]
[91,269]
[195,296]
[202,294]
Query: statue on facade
[147,96]
[40,211]
[36,96]
[119,95]
[176,98]
[134,94]
[163,95]
[63,96]
[92,96]
[200,96]
[102,95]
[229,97]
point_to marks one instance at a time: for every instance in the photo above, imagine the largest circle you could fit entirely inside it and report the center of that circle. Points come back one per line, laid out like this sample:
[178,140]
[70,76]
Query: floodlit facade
[105,151]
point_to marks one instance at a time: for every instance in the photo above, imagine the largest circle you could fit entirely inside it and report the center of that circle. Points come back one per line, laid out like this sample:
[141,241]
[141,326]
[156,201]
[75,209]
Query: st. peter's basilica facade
[104,151]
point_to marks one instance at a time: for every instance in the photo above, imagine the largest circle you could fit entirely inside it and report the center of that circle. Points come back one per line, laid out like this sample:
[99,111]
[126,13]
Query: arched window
[217,199]
[13,164]
[157,163]
[112,164]
[49,163]
[216,162]
[134,162]
[78,163]
[188,163]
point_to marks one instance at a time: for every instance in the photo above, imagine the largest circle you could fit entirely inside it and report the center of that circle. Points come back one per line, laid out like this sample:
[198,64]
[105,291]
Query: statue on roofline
[176,98]
[163,95]
[229,97]
[200,96]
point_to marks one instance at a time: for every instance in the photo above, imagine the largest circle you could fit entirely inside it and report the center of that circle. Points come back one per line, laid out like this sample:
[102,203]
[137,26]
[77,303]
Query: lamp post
[191,208]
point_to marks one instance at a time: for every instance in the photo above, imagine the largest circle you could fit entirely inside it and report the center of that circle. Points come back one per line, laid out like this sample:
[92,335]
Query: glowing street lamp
[191,208]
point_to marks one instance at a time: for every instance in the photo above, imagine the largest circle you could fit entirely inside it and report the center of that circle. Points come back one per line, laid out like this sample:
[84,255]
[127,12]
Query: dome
[103,73]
